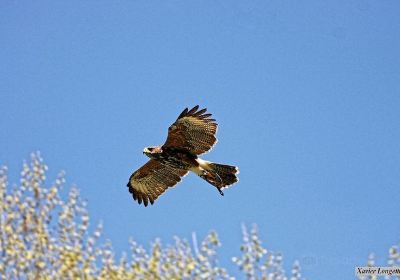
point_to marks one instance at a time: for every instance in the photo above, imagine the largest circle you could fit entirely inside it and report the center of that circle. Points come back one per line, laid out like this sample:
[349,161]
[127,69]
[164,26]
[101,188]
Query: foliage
[258,263]
[43,236]
[393,260]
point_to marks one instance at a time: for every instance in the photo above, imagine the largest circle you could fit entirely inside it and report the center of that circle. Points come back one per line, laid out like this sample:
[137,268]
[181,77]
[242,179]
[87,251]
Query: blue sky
[306,94]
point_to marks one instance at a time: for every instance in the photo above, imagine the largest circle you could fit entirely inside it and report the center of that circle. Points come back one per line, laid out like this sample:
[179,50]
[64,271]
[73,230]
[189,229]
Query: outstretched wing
[193,130]
[151,180]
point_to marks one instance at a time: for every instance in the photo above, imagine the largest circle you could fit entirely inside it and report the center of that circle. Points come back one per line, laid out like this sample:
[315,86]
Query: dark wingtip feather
[200,112]
[194,109]
[145,201]
[184,112]
[204,116]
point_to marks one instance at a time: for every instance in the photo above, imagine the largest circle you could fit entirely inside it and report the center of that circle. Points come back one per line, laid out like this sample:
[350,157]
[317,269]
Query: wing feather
[194,131]
[151,180]
[193,110]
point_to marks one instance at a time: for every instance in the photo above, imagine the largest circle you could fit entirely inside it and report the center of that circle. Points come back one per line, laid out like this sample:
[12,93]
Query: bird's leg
[220,183]
[205,175]
[219,178]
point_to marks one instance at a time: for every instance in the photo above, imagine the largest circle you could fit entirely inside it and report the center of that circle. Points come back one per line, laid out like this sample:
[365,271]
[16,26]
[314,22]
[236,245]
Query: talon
[220,192]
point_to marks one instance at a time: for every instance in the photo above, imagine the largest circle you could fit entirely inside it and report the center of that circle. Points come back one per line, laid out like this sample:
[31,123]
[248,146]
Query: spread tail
[219,175]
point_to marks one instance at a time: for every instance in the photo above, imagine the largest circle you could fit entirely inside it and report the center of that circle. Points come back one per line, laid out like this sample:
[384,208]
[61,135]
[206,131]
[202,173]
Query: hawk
[192,134]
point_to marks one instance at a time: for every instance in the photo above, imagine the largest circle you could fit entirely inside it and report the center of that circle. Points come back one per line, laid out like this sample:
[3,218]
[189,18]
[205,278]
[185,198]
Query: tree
[393,260]
[43,236]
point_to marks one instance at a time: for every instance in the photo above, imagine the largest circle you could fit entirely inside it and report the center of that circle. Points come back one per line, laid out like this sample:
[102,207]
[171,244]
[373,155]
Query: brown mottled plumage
[194,131]
[192,134]
[152,179]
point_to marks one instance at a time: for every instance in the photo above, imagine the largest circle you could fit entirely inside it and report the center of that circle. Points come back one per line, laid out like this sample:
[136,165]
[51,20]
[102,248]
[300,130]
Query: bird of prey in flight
[192,134]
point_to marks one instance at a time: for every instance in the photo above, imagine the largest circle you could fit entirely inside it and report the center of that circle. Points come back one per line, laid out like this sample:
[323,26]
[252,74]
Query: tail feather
[227,173]
[220,175]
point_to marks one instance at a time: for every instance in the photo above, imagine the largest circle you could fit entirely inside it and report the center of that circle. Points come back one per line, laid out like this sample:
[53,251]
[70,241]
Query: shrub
[43,236]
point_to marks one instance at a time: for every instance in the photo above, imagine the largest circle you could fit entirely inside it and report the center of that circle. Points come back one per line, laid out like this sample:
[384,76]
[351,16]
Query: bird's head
[152,152]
